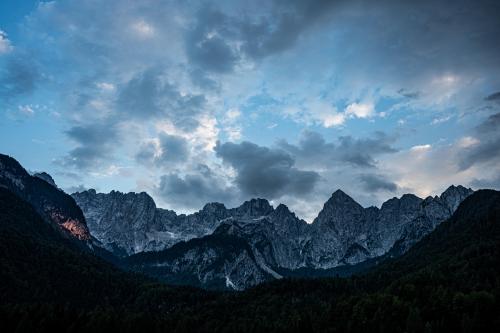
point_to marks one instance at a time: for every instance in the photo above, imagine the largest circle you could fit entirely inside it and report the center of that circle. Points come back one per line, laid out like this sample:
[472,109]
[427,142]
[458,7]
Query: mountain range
[231,248]
[54,280]
[243,246]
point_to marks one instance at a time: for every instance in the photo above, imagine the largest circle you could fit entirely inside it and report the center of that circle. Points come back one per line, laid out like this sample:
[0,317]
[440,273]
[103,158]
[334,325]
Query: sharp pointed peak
[338,192]
[283,210]
[340,195]
[340,198]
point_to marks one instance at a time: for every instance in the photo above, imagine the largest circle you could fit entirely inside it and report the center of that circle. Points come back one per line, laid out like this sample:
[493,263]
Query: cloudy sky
[198,101]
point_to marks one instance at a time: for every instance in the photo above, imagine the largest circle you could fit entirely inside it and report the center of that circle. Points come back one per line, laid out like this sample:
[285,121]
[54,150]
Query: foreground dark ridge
[56,207]
[446,282]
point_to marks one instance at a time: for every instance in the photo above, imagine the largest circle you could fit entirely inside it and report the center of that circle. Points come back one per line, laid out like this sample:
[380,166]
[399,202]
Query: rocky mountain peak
[454,195]
[340,211]
[282,213]
[255,208]
[406,202]
[340,200]
[90,191]
[410,200]
[214,208]
[45,176]
[134,197]
[283,209]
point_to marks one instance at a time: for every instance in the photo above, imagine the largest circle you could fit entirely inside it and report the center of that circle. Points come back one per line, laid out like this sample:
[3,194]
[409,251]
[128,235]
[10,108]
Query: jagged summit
[45,176]
[283,209]
[90,191]
[255,208]
[454,195]
[343,232]
[456,188]
[213,207]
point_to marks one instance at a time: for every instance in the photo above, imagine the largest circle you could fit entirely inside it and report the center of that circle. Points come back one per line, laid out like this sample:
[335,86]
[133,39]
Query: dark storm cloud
[95,144]
[490,125]
[493,97]
[206,45]
[451,34]
[173,149]
[488,148]
[194,190]
[146,154]
[210,45]
[149,95]
[20,76]
[213,54]
[375,183]
[408,94]
[202,80]
[265,172]
[313,149]
[281,30]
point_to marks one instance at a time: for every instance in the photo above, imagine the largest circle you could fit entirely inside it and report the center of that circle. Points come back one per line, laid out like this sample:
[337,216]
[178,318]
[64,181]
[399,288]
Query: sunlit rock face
[56,207]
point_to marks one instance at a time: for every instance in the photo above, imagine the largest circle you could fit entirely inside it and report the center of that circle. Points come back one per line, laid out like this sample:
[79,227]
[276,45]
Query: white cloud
[421,148]
[315,112]
[204,137]
[430,169]
[233,114]
[326,114]
[26,110]
[106,87]
[334,119]
[436,121]
[143,29]
[360,110]
[467,141]
[5,44]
